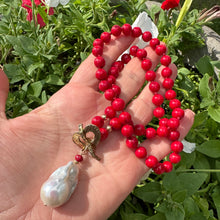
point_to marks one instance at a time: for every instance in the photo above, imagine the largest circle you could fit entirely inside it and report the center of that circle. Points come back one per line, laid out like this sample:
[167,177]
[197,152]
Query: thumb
[4,89]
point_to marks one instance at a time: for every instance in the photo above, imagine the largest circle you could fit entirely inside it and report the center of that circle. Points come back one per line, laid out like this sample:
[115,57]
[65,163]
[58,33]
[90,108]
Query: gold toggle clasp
[85,143]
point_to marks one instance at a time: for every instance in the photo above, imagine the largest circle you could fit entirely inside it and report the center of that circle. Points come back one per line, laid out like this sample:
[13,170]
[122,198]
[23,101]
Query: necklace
[61,184]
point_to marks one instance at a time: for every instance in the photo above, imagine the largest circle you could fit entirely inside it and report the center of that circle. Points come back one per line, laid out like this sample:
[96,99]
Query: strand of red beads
[115,118]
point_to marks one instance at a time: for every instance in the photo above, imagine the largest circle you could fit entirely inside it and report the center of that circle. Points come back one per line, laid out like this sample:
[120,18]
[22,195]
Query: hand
[36,144]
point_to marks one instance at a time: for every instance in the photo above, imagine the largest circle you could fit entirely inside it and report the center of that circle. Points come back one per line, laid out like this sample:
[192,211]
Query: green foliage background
[38,62]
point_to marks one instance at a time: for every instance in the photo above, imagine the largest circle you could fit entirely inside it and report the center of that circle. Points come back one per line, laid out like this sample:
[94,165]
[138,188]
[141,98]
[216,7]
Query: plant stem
[199,170]
[132,206]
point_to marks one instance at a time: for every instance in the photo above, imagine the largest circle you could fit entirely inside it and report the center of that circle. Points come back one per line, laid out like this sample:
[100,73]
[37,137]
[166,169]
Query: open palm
[36,144]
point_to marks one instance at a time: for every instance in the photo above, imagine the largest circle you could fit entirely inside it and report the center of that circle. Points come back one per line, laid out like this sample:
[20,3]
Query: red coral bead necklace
[114,115]
[59,187]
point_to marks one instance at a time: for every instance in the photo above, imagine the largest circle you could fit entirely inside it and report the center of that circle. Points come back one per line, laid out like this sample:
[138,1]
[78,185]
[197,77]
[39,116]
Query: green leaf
[210,148]
[216,199]
[44,97]
[27,44]
[204,66]
[4,29]
[134,216]
[191,181]
[11,70]
[171,182]
[214,112]
[201,162]
[179,196]
[204,87]
[217,166]
[35,66]
[172,210]
[190,206]
[198,216]
[158,216]
[149,193]
[35,88]
[184,71]
[200,118]
[206,102]
[54,80]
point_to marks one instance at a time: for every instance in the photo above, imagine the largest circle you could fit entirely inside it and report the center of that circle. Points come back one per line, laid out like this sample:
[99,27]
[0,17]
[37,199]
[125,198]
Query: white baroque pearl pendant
[60,185]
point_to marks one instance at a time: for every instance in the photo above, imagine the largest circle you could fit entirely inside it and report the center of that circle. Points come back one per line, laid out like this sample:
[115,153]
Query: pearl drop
[60,185]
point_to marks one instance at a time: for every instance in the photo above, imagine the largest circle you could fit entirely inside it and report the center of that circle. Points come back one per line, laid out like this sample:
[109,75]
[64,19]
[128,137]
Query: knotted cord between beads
[115,118]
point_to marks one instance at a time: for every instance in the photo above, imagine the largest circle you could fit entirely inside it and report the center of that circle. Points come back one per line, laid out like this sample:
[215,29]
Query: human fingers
[160,147]
[132,76]
[142,107]
[4,89]
[85,74]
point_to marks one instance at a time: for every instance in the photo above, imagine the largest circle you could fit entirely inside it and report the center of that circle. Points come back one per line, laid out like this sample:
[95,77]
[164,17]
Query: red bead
[168,83]
[116,89]
[154,42]
[174,135]
[106,37]
[103,85]
[79,158]
[168,167]
[177,146]
[174,158]
[151,161]
[98,42]
[115,123]
[166,72]
[127,130]
[154,86]
[160,50]
[133,50]
[146,36]
[139,130]
[136,32]
[132,142]
[125,58]
[111,79]
[97,51]
[159,169]
[150,75]
[125,118]
[158,112]
[141,54]
[98,121]
[141,152]
[146,64]
[165,60]
[99,62]
[173,123]
[109,94]
[116,30]
[150,133]
[178,113]
[110,112]
[174,103]
[101,74]
[126,29]
[170,94]
[118,104]
[157,99]
[163,122]
[162,131]
[119,65]
[113,71]
[104,133]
